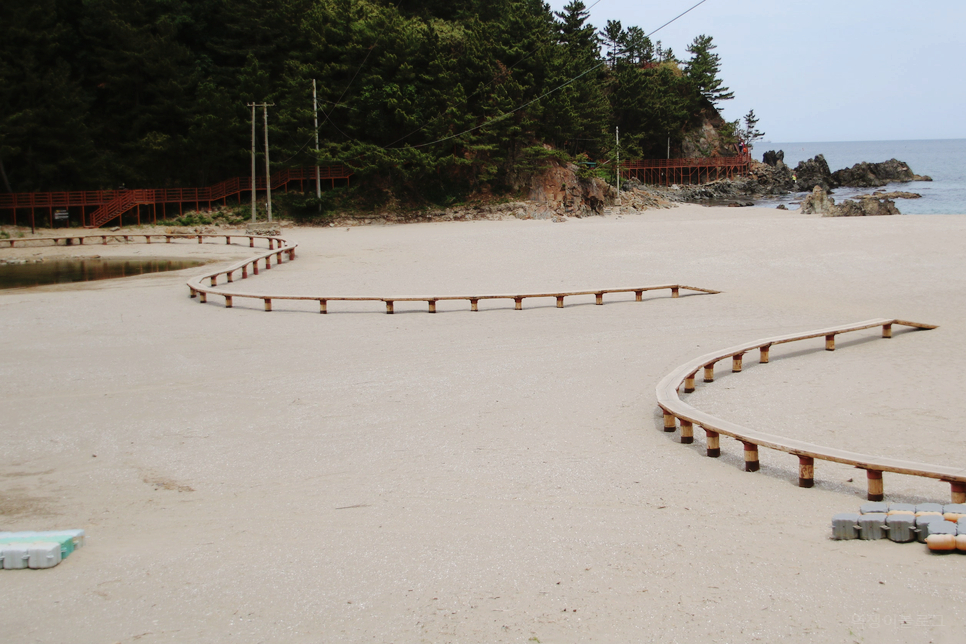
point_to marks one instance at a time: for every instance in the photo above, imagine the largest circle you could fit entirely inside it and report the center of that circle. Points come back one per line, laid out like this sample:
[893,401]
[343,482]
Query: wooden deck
[675,410]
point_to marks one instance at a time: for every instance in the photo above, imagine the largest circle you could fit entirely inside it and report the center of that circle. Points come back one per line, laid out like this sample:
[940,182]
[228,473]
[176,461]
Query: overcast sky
[824,70]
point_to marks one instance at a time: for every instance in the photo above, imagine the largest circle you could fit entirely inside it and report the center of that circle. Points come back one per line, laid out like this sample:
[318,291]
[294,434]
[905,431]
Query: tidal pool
[66,271]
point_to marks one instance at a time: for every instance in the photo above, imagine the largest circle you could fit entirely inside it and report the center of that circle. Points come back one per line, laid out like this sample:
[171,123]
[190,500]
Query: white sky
[824,70]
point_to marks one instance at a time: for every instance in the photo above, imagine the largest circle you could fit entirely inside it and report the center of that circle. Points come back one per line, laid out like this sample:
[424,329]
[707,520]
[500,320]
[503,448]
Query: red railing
[701,162]
[115,202]
[687,171]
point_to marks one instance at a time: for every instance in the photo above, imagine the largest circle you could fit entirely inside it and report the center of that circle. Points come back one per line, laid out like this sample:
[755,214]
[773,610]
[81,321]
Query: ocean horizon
[942,159]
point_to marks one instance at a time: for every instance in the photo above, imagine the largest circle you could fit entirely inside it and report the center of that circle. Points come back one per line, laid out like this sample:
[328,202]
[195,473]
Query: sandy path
[484,477]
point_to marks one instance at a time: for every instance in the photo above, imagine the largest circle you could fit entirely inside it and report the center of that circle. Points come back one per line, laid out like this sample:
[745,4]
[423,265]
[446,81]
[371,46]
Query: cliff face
[559,188]
[706,139]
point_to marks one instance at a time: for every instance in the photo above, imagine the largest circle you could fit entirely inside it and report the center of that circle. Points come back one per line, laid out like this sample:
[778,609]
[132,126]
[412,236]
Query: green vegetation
[428,102]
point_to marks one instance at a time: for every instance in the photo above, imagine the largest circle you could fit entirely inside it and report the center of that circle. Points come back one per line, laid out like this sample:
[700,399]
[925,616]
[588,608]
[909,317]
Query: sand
[499,476]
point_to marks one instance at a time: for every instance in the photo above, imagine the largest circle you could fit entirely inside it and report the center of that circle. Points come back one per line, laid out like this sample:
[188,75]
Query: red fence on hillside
[114,204]
[686,171]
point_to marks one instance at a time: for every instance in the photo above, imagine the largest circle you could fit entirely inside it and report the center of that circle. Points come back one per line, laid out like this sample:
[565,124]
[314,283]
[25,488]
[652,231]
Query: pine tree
[615,38]
[703,70]
[750,134]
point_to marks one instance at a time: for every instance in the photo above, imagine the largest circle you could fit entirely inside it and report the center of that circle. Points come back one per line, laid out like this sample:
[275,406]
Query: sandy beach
[499,476]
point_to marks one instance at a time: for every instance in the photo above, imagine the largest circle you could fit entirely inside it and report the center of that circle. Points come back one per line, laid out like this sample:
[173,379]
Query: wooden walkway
[684,376]
[108,205]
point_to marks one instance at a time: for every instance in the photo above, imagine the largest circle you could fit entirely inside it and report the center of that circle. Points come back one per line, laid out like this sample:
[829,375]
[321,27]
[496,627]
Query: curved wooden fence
[675,409]
[282,250]
[250,266]
[667,391]
[71,240]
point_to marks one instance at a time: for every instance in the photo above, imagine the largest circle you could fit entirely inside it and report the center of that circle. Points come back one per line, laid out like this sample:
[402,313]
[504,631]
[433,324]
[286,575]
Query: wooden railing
[111,203]
[687,171]
[250,267]
[696,162]
[71,240]
[675,410]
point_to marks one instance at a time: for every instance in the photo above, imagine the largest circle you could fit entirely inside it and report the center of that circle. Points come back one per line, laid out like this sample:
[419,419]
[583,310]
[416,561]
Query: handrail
[675,409]
[694,162]
[105,238]
[171,195]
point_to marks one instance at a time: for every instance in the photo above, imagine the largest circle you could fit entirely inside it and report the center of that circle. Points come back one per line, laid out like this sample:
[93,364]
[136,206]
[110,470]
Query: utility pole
[318,180]
[617,133]
[268,171]
[252,105]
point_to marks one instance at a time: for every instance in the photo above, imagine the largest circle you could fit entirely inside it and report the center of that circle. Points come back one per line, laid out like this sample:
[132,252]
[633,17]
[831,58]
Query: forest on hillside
[425,98]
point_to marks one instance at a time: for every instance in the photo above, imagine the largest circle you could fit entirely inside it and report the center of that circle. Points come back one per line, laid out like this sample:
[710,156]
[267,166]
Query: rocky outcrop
[705,140]
[773,158]
[869,206]
[811,173]
[896,195]
[817,203]
[874,175]
[558,188]
[640,198]
[820,203]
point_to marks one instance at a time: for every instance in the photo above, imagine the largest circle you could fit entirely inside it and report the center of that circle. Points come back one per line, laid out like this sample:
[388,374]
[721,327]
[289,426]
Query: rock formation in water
[811,173]
[875,175]
[867,206]
[773,158]
[817,203]
[820,203]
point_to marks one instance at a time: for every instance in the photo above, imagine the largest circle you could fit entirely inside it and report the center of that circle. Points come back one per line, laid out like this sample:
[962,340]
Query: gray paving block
[874,507]
[872,526]
[923,523]
[845,526]
[902,527]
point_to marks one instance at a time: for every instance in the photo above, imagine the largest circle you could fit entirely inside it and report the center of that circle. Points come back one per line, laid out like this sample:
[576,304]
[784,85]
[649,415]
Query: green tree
[45,140]
[615,38]
[750,133]
[703,69]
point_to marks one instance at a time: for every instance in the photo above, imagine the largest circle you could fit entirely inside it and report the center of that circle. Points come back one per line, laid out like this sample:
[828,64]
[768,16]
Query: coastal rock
[874,175]
[773,158]
[705,140]
[559,188]
[811,173]
[866,207]
[895,195]
[817,203]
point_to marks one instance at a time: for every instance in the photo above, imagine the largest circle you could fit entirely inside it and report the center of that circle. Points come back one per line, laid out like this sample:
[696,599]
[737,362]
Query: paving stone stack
[941,527]
[20,550]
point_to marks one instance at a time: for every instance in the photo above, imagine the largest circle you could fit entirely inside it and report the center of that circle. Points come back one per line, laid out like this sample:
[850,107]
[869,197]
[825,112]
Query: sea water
[944,160]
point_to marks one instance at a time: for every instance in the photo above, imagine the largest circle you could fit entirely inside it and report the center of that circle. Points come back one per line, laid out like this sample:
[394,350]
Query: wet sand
[499,476]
